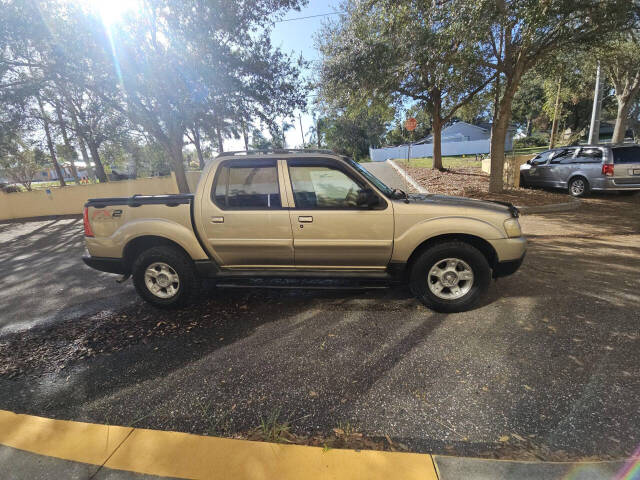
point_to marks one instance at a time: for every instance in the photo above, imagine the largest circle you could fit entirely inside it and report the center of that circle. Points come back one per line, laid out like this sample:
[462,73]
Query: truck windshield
[372,178]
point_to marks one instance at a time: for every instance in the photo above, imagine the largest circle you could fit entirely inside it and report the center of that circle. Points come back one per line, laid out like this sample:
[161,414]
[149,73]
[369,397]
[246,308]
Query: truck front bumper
[510,252]
[105,264]
[502,269]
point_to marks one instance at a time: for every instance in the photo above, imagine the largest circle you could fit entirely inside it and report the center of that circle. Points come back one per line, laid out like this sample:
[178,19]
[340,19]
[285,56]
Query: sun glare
[112,10]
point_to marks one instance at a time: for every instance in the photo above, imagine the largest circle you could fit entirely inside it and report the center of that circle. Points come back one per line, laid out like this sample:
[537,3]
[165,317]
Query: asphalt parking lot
[547,367]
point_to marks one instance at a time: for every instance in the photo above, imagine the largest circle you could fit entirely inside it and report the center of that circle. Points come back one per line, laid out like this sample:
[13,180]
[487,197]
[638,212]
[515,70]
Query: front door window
[323,187]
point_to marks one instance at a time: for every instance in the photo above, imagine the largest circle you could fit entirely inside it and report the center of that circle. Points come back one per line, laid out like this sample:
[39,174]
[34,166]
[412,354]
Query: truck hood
[449,201]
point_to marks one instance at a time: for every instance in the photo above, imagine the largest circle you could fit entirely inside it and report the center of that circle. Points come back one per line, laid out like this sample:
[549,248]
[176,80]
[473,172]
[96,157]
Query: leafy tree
[278,130]
[20,167]
[528,102]
[517,35]
[421,51]
[620,58]
[180,62]
[259,141]
[352,131]
[398,134]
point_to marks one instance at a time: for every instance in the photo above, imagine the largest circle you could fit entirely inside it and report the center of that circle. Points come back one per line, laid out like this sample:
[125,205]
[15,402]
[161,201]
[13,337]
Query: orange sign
[411,124]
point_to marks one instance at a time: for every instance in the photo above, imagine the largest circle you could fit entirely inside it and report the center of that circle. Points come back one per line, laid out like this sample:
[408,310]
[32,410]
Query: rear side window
[626,155]
[589,155]
[247,187]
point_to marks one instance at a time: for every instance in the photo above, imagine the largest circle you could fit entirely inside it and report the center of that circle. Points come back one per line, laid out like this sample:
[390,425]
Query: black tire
[188,282]
[574,187]
[457,250]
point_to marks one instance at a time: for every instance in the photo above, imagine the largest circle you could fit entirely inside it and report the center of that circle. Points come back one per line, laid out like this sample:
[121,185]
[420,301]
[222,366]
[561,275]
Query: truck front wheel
[450,277]
[165,277]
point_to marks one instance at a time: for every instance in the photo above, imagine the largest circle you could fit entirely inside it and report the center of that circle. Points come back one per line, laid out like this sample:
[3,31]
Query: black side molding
[138,200]
[106,264]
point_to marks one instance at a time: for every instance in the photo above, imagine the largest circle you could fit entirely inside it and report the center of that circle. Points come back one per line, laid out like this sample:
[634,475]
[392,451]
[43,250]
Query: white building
[460,138]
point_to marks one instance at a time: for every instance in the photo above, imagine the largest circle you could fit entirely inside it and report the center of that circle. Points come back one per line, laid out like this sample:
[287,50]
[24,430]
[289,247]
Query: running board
[299,273]
[303,287]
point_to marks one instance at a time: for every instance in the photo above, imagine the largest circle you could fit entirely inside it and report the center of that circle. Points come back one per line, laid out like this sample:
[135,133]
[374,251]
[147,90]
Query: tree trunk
[436,132]
[500,128]
[220,141]
[554,123]
[245,136]
[177,161]
[529,127]
[50,146]
[624,107]
[81,142]
[498,137]
[85,157]
[198,145]
[67,143]
[93,148]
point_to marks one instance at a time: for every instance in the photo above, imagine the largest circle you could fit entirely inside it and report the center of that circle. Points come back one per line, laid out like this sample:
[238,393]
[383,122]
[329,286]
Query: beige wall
[193,176]
[511,168]
[70,200]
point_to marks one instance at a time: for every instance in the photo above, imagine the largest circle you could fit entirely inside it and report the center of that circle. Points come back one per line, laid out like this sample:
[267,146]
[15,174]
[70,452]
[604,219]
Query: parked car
[302,214]
[584,168]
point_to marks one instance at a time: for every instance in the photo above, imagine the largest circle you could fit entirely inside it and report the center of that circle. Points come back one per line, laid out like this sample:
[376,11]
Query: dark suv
[584,168]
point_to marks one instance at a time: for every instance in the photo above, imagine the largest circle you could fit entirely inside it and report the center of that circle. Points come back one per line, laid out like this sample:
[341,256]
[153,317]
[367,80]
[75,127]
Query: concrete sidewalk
[39,448]
[393,176]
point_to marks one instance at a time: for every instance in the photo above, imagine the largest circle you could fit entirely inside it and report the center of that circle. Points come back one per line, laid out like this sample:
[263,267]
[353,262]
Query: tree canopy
[169,69]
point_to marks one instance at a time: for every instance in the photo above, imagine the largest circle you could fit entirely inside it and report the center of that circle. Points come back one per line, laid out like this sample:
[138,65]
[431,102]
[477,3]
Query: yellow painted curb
[80,442]
[184,455]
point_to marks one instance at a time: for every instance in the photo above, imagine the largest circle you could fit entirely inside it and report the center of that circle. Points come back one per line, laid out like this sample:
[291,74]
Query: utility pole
[301,130]
[594,129]
[554,124]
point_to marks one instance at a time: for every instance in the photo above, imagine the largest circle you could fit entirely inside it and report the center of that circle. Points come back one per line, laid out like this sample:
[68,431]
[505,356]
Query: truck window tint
[323,187]
[247,187]
[626,155]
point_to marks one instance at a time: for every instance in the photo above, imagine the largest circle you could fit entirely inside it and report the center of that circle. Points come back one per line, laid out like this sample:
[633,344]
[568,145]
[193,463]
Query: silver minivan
[584,168]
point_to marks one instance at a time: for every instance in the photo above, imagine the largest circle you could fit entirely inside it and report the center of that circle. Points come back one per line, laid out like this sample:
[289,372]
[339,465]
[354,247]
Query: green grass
[528,150]
[447,162]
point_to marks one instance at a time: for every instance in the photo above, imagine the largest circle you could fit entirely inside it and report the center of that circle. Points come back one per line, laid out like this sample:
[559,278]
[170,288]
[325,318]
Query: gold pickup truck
[304,214]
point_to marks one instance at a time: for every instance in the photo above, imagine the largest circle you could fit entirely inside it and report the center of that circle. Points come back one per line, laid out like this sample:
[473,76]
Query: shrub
[535,140]
[11,188]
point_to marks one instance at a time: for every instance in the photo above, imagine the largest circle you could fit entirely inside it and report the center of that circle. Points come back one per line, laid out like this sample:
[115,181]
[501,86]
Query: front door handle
[305,219]
[217,219]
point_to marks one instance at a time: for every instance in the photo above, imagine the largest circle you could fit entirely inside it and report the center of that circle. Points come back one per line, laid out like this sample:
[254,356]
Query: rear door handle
[305,219]
[217,219]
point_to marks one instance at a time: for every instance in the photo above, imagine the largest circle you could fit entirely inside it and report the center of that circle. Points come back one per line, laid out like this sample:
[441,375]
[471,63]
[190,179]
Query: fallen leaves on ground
[472,182]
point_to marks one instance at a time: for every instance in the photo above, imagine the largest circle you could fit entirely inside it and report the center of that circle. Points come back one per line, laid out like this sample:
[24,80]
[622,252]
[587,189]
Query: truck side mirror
[367,198]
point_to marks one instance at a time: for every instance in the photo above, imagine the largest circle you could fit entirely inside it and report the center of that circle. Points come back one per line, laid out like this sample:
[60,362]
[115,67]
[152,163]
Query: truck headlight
[512,227]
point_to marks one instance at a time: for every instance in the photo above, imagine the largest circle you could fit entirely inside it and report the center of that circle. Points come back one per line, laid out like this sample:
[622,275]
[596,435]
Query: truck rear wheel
[450,277]
[165,277]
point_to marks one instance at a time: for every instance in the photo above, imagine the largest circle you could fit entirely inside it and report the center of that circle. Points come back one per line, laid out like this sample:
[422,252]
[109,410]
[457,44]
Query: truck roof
[280,153]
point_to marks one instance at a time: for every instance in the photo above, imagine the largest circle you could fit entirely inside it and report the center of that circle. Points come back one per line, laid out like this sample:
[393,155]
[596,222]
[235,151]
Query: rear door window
[249,187]
[626,155]
[589,155]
